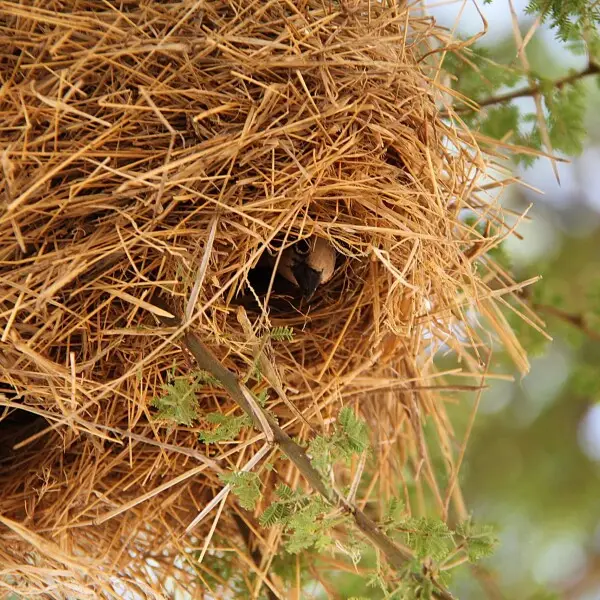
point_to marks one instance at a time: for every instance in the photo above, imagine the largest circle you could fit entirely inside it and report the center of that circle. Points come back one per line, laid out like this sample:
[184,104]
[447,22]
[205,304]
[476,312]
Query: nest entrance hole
[285,299]
[16,425]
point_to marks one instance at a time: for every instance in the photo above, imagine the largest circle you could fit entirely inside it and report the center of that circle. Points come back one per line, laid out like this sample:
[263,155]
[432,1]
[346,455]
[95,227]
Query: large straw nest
[156,146]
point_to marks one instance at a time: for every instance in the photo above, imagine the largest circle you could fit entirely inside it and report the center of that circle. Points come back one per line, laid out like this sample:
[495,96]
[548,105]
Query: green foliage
[179,403]
[305,519]
[478,540]
[322,450]
[411,586]
[502,121]
[282,334]
[309,526]
[428,537]
[353,433]
[377,578]
[410,590]
[350,437]
[584,380]
[593,297]
[476,75]
[393,515]
[282,508]
[307,522]
[570,18]
[206,378]
[262,398]
[228,427]
[246,486]
[486,80]
[566,107]
[432,538]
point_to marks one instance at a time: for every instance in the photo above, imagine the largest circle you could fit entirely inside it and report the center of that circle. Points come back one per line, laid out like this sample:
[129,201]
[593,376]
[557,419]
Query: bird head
[308,264]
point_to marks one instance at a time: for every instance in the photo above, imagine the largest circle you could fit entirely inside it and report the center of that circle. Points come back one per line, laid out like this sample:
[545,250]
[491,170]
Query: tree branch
[396,555]
[575,320]
[591,69]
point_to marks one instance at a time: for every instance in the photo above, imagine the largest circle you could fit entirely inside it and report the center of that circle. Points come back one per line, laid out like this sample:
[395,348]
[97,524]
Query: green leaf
[279,511]
[354,433]
[285,492]
[321,451]
[480,541]
[179,404]
[566,112]
[394,515]
[569,18]
[228,427]
[262,398]
[350,437]
[246,486]
[308,527]
[476,75]
[274,514]
[282,334]
[428,537]
[206,378]
[501,121]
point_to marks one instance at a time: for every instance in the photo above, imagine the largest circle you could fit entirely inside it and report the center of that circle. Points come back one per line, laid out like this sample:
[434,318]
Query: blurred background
[533,463]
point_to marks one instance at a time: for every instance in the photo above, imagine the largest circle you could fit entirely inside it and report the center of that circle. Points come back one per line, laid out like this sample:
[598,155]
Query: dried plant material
[165,148]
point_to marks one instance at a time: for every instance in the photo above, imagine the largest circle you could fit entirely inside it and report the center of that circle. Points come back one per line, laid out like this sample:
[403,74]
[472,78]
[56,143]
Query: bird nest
[153,155]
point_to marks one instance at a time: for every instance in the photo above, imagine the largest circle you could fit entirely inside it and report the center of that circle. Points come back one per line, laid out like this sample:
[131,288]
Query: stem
[397,556]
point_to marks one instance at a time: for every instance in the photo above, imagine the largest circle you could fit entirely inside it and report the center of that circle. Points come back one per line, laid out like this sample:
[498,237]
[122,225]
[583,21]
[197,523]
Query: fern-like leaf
[179,403]
[228,427]
[282,334]
[246,486]
[479,540]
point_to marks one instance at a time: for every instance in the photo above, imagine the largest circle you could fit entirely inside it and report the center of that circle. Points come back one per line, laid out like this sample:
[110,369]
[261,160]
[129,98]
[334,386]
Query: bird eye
[302,247]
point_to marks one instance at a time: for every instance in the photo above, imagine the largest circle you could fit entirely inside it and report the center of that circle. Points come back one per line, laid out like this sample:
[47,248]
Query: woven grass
[163,147]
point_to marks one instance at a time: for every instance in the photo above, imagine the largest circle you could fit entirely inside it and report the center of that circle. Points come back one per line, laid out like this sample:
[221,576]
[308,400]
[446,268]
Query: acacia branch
[575,320]
[591,69]
[396,555]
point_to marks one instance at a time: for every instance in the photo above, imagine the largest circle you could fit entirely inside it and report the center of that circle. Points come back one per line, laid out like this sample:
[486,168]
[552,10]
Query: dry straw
[160,148]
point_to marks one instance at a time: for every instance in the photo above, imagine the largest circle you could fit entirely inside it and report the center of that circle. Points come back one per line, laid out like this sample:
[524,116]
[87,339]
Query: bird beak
[308,279]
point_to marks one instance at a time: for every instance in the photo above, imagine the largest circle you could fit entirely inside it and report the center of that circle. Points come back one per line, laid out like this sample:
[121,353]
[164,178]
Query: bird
[308,264]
